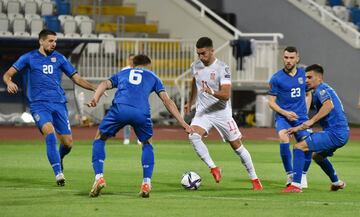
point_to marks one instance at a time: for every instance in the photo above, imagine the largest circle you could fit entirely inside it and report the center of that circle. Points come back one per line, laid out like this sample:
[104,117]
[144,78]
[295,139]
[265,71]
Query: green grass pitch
[27,184]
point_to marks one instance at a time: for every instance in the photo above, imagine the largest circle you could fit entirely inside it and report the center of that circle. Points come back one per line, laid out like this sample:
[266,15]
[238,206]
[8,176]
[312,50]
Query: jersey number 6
[135,76]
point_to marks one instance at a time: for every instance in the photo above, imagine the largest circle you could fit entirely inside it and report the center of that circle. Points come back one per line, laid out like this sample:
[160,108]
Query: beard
[289,68]
[48,52]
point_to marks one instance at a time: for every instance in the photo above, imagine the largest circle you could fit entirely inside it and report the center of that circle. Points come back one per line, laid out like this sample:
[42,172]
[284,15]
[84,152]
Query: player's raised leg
[203,152]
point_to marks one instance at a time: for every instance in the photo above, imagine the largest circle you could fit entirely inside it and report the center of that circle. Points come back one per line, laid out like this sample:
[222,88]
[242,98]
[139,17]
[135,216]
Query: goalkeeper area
[27,183]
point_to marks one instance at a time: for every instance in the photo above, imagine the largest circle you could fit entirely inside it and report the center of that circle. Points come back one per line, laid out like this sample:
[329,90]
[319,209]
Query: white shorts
[226,126]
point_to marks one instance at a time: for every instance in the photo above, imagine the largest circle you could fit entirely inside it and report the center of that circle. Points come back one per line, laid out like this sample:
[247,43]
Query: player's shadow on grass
[25,182]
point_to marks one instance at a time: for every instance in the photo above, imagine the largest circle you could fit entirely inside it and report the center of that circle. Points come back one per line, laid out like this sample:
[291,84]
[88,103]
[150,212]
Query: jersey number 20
[48,69]
[135,76]
[295,92]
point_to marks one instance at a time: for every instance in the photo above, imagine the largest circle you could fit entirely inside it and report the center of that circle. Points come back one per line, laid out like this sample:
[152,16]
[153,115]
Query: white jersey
[216,74]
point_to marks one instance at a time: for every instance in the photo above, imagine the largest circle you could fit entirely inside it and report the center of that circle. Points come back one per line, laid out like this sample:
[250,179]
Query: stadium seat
[86,27]
[91,48]
[2,15]
[46,8]
[19,25]
[5,33]
[52,23]
[21,34]
[333,3]
[36,25]
[1,7]
[69,26]
[72,35]
[13,7]
[11,17]
[62,18]
[80,18]
[109,46]
[341,12]
[63,8]
[30,7]
[30,17]
[60,35]
[4,24]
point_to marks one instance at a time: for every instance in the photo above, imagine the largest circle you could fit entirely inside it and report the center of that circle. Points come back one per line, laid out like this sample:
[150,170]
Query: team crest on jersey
[212,75]
[322,92]
[53,59]
[301,80]
[37,117]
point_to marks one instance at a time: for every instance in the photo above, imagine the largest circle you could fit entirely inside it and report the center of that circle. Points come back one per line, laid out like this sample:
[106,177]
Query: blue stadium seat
[52,23]
[355,15]
[333,3]
[63,8]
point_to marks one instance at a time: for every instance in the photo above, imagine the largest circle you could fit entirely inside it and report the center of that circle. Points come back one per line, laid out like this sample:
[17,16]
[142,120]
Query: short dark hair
[204,42]
[141,59]
[291,49]
[316,68]
[45,32]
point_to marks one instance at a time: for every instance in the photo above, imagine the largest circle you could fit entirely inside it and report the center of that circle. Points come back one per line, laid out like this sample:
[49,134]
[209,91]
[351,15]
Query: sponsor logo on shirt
[301,80]
[212,75]
[227,76]
[53,59]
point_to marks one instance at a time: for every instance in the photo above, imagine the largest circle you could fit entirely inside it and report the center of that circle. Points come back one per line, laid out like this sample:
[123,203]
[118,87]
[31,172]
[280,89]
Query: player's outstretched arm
[171,107]
[11,86]
[77,79]
[99,92]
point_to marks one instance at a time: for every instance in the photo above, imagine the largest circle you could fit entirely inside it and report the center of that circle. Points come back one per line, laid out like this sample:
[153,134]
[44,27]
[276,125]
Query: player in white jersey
[212,86]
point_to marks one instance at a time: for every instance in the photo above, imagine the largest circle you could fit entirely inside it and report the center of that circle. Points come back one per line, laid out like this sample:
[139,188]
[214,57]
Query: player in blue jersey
[130,107]
[43,69]
[289,98]
[335,134]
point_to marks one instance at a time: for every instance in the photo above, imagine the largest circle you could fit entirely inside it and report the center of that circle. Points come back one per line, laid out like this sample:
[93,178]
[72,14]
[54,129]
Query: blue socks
[52,153]
[327,167]
[63,150]
[147,160]
[299,161]
[98,156]
[308,158]
[286,157]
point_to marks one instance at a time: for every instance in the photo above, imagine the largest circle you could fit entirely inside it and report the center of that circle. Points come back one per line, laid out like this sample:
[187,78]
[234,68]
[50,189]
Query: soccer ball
[191,180]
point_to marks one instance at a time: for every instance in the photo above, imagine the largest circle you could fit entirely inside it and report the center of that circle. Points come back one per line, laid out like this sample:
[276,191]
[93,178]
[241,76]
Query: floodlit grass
[28,188]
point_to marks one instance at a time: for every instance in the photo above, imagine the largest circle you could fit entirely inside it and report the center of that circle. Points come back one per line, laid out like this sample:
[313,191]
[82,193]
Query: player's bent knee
[284,138]
[317,158]
[194,137]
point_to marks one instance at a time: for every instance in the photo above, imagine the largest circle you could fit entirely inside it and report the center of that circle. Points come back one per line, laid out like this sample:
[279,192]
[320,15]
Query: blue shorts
[120,115]
[281,123]
[325,143]
[55,113]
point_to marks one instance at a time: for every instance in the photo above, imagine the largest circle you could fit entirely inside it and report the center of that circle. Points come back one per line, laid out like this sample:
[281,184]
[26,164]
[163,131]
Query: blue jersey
[135,86]
[43,75]
[290,91]
[336,119]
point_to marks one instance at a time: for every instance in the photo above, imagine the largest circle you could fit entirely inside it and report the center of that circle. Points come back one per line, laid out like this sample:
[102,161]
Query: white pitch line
[59,189]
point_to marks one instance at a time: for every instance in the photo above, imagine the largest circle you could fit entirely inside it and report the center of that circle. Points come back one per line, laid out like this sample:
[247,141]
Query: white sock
[201,149]
[98,176]
[246,161]
[147,181]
